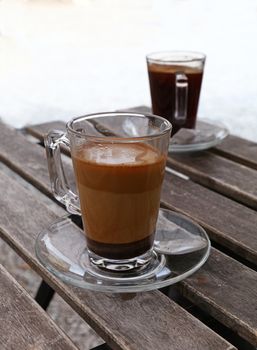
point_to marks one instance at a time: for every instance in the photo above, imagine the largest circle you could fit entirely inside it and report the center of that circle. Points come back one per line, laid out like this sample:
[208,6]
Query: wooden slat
[138,321]
[24,325]
[228,223]
[238,150]
[167,201]
[222,175]
[225,221]
[40,130]
[227,290]
[58,210]
[28,159]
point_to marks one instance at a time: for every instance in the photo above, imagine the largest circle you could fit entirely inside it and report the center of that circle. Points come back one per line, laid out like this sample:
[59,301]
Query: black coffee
[163,90]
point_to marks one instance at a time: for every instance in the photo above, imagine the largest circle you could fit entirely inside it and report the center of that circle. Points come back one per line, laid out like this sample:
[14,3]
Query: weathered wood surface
[217,173]
[23,324]
[224,219]
[227,222]
[239,150]
[232,293]
[208,295]
[140,321]
[48,202]
[26,158]
[41,130]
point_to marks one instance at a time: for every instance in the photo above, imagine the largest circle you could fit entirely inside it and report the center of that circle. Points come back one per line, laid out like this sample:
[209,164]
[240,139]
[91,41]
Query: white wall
[64,58]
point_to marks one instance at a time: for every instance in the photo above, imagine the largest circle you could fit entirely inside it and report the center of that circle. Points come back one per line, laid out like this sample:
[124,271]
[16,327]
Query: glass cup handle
[181,96]
[59,183]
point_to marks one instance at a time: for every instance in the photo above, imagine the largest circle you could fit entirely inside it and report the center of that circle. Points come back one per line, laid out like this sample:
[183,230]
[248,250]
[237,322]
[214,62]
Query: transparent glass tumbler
[175,79]
[119,162]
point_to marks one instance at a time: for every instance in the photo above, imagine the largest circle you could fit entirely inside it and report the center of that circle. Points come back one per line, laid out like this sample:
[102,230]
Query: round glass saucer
[206,134]
[181,247]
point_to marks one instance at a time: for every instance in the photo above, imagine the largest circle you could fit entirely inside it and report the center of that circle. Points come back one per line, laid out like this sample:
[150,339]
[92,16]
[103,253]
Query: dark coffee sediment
[119,188]
[121,251]
[162,86]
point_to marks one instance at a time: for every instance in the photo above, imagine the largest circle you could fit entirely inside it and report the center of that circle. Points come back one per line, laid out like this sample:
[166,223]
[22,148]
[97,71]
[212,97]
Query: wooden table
[216,308]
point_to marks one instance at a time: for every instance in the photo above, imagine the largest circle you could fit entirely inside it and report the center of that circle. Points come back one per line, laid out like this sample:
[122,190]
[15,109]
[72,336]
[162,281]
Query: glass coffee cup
[175,79]
[119,162]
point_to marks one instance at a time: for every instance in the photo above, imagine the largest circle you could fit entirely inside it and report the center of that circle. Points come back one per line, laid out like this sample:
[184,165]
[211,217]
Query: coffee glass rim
[189,56]
[119,139]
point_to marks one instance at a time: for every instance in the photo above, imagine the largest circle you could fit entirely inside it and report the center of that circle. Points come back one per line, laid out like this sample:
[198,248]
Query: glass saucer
[181,247]
[205,135]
